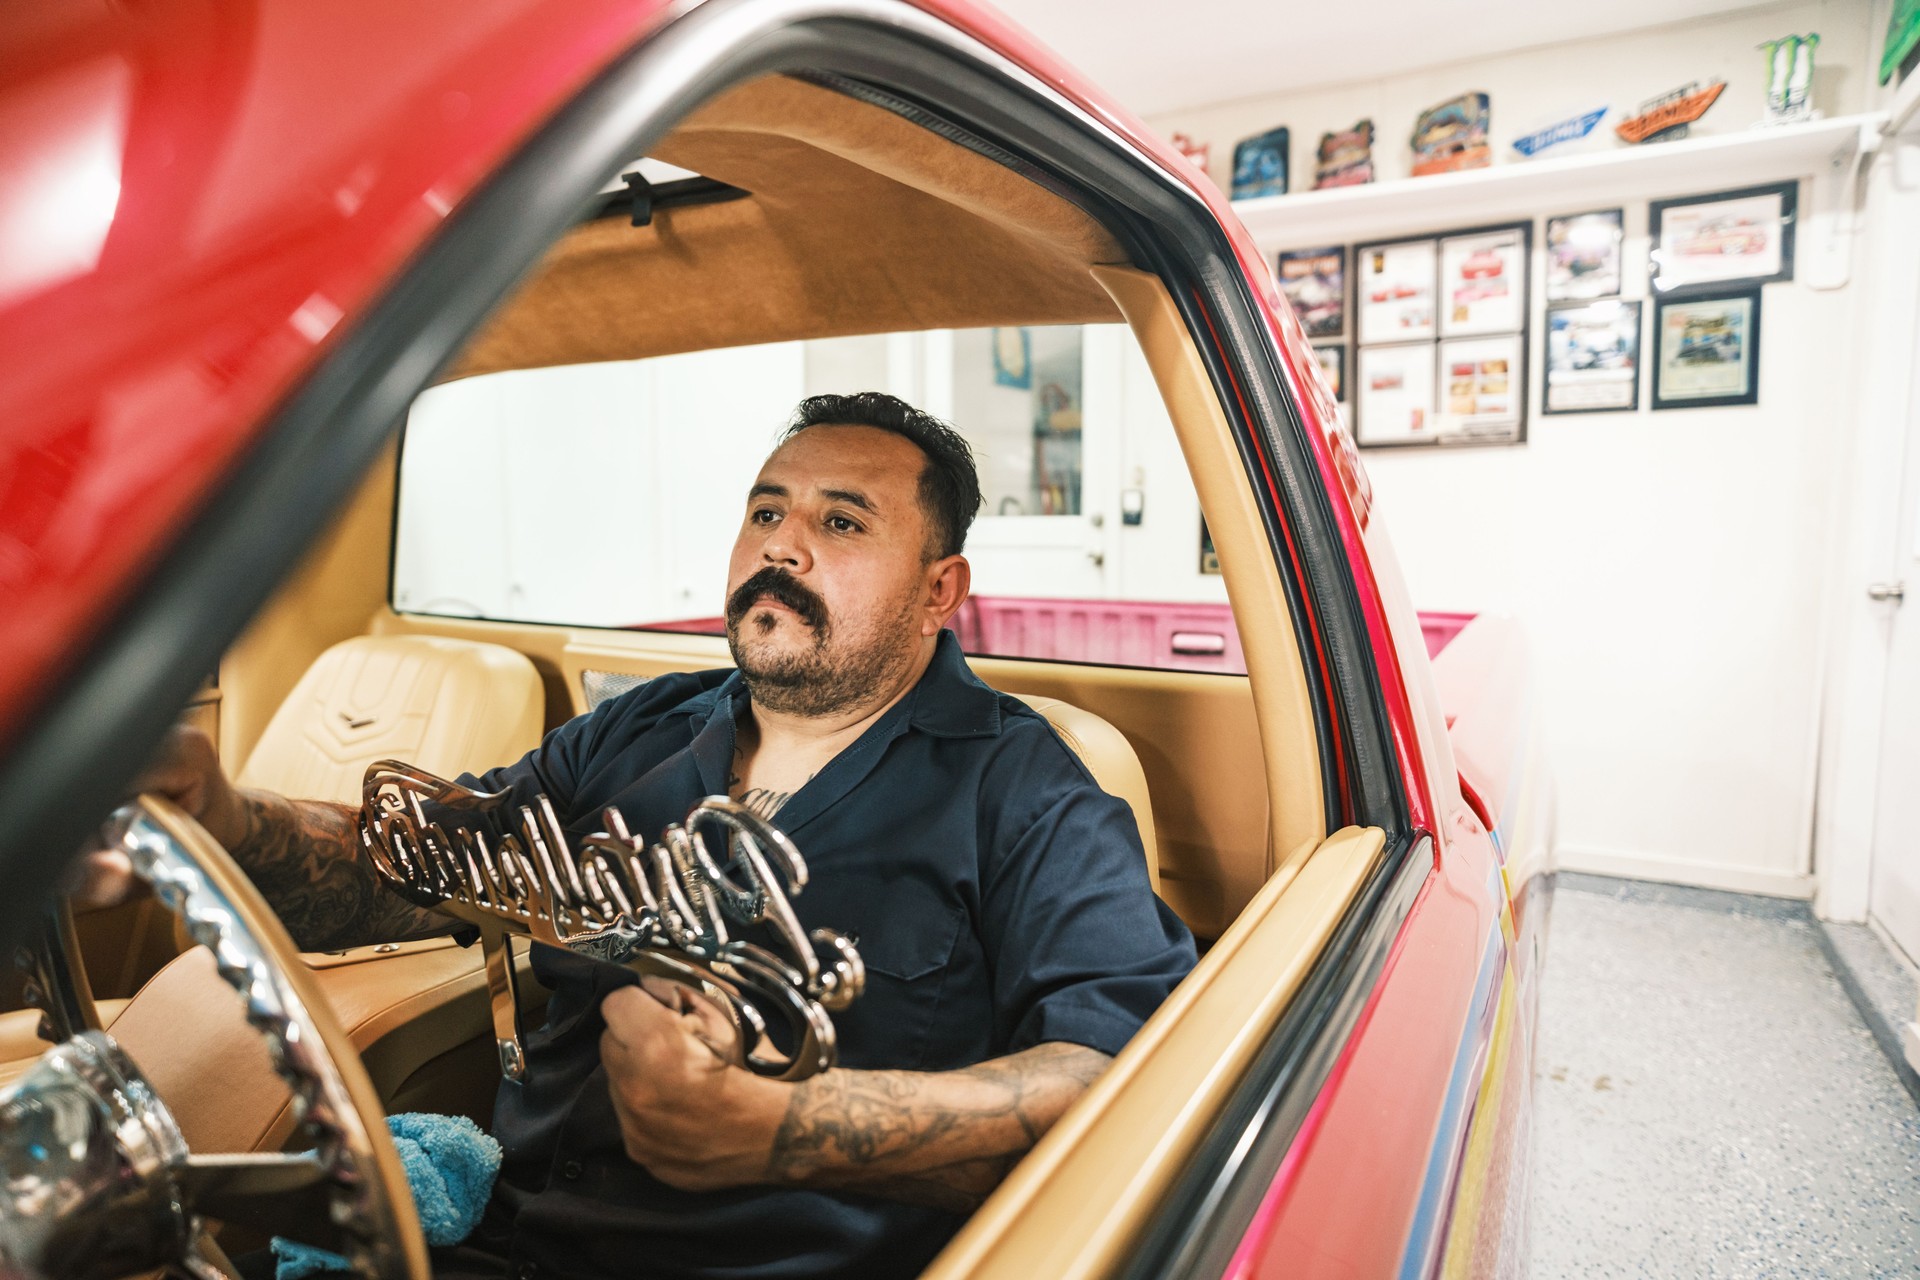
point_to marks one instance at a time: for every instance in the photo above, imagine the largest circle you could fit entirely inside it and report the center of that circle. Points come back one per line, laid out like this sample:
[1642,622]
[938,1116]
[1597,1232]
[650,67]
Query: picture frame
[1393,396]
[1209,558]
[1012,347]
[1707,243]
[1483,286]
[1394,289]
[1592,357]
[1584,255]
[1315,283]
[1333,363]
[1481,396]
[1706,350]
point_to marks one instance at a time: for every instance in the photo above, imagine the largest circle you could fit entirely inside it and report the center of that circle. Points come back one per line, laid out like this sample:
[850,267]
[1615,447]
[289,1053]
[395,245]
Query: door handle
[1894,591]
[1098,557]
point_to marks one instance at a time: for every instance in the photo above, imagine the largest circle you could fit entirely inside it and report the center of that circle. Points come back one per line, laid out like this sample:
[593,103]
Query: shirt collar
[950,701]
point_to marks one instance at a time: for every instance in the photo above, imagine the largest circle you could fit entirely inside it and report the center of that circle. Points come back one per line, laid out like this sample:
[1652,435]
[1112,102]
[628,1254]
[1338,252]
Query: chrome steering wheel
[96,1181]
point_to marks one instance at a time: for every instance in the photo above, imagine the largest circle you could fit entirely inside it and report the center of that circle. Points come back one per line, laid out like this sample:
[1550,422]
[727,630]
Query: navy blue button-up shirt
[1000,899]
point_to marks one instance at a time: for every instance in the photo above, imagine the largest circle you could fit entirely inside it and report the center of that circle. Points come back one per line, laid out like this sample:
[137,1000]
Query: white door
[1895,894]
[1042,408]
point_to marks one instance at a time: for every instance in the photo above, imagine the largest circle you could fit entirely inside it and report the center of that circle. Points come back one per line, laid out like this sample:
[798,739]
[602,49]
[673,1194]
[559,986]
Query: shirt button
[525,1271]
[570,1170]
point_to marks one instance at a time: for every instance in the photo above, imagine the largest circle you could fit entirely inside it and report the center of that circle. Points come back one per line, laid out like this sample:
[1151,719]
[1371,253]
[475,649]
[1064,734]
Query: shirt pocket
[907,961]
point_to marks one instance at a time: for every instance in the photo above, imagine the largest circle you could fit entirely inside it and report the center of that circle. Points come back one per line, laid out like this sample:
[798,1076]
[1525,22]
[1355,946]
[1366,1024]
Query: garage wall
[1670,567]
[1536,87]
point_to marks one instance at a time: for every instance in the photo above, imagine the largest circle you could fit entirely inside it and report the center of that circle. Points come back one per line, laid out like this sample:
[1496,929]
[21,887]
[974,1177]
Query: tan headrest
[446,705]
[1110,758]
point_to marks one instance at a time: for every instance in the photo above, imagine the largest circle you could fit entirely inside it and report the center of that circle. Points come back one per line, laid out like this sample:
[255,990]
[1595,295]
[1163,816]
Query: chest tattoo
[765,801]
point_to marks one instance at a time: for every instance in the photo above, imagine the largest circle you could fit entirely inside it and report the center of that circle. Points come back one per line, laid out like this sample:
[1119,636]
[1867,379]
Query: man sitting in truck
[1000,899]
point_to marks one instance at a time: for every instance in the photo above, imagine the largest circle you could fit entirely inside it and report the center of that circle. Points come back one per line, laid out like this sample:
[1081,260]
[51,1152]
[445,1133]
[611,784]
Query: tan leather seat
[445,705]
[1110,758]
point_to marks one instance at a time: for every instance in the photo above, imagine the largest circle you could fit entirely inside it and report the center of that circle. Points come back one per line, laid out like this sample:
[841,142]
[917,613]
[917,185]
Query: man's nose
[787,547]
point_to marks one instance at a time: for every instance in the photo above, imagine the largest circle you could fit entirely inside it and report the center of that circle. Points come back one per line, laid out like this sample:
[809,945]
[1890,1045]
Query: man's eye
[763,515]
[840,524]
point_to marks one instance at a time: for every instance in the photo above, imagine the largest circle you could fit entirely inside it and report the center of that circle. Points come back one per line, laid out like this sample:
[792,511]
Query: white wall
[1670,567]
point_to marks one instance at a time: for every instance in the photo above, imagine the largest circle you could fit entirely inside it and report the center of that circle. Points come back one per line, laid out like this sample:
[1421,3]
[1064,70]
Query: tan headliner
[855,225]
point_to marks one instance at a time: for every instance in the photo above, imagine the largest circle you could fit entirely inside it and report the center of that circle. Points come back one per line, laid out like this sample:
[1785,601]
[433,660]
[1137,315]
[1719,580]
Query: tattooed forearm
[942,1139]
[305,858]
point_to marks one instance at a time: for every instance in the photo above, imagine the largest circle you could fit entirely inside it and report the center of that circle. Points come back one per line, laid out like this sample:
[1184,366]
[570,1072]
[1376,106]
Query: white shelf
[1821,149]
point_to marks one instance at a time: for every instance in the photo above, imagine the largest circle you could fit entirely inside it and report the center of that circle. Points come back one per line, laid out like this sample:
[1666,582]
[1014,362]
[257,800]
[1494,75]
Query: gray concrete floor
[1708,1100]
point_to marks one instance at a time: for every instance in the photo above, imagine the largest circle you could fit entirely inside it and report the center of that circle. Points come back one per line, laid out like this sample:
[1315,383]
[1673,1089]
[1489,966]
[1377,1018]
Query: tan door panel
[1078,1203]
[1198,742]
[638,655]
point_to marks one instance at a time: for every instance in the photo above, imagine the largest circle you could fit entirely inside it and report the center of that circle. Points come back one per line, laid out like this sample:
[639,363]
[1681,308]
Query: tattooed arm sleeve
[943,1139]
[305,858]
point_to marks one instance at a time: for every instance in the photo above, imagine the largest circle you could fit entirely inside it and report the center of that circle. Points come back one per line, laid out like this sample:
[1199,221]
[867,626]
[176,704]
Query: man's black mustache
[777,584]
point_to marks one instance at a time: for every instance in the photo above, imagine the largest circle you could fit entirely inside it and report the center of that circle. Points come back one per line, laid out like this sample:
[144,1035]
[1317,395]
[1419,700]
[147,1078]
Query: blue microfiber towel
[451,1164]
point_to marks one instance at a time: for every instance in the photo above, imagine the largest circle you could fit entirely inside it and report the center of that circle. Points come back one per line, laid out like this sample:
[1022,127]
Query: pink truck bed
[1123,633]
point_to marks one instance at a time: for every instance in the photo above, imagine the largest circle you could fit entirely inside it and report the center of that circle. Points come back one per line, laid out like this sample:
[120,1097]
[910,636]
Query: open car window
[608,494]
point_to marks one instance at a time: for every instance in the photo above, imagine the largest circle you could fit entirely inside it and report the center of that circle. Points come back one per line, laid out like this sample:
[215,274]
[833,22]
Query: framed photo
[1393,290]
[1209,558]
[1482,395]
[1315,282]
[1483,281]
[1333,363]
[1583,256]
[1593,357]
[1732,237]
[1706,350]
[1393,395]
[1013,358]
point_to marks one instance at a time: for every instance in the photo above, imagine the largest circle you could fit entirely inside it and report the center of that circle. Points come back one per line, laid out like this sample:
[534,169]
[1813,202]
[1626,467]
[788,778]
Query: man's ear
[948,582]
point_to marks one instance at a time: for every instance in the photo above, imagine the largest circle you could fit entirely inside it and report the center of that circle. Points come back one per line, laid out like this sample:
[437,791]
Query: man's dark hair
[949,484]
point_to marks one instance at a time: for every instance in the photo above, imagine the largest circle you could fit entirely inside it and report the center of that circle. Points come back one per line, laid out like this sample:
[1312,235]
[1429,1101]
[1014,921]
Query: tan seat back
[1111,760]
[448,706]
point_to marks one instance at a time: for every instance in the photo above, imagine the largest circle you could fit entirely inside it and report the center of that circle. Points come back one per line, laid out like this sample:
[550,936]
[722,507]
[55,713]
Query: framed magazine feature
[1706,350]
[1393,290]
[1709,243]
[1440,334]
[1332,357]
[1315,284]
[1593,357]
[1483,281]
[1393,396]
[1482,389]
[1585,256]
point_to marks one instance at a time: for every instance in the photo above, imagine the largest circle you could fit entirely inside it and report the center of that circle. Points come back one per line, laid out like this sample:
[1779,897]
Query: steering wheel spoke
[288,1194]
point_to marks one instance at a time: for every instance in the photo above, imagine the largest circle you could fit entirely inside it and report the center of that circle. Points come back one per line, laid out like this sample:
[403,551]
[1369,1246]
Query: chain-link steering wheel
[96,1181]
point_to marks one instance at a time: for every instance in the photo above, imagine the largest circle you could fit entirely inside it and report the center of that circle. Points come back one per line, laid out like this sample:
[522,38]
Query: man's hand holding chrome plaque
[670,908]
